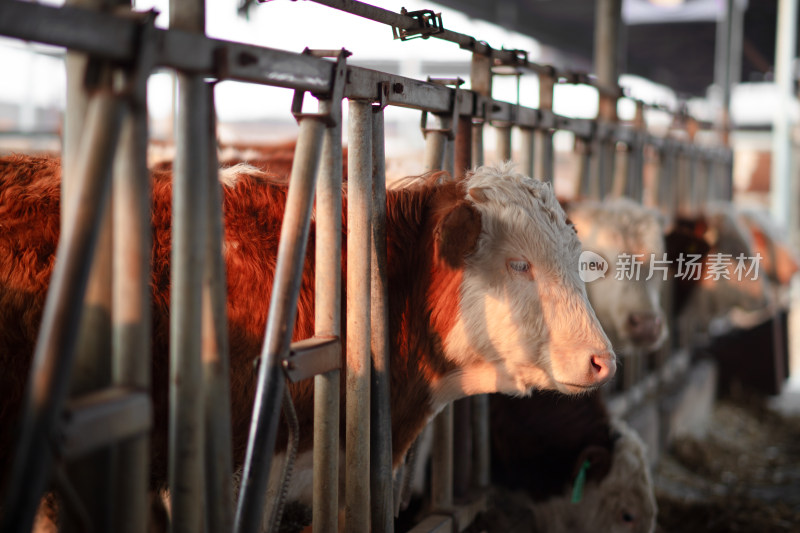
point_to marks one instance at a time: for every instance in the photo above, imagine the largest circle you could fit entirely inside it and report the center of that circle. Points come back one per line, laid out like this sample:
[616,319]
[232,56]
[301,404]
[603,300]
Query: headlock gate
[106,199]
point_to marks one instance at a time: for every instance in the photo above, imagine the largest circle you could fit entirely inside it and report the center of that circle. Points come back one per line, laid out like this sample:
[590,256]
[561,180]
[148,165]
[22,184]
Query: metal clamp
[335,94]
[449,124]
[430,23]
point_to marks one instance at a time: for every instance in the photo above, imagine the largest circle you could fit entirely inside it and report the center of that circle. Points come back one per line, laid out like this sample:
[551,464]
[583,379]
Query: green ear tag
[580,481]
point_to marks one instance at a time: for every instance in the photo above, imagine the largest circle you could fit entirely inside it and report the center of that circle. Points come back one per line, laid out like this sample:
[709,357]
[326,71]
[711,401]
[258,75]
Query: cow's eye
[519,266]
[627,517]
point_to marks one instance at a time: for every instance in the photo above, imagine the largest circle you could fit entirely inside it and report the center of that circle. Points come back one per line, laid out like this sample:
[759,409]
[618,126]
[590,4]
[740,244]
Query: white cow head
[524,321]
[630,239]
[623,501]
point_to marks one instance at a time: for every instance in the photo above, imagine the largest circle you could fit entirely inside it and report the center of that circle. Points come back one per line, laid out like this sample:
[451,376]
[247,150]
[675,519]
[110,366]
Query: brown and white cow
[719,238]
[541,443]
[484,293]
[627,300]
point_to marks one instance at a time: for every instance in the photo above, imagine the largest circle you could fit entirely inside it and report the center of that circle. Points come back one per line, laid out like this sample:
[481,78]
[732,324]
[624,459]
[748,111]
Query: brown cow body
[520,321]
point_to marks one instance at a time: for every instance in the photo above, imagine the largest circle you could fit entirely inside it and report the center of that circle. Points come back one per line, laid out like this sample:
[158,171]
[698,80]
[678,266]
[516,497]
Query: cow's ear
[457,233]
[599,460]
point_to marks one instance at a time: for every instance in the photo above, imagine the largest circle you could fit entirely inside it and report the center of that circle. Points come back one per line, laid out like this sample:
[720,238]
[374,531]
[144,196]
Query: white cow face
[524,309]
[628,304]
[623,502]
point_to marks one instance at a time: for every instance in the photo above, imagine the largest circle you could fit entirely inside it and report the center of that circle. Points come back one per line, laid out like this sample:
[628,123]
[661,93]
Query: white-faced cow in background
[627,299]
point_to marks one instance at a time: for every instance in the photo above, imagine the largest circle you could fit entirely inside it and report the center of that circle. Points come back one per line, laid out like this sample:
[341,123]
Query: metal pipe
[442,460]
[56,342]
[503,148]
[381,489]
[527,153]
[477,144]
[463,453]
[189,210]
[782,201]
[543,138]
[463,147]
[216,381]
[328,323]
[131,326]
[481,443]
[189,226]
[280,325]
[359,237]
[435,144]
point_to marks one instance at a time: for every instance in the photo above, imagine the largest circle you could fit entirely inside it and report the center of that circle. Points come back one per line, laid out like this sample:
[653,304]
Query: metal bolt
[398,88]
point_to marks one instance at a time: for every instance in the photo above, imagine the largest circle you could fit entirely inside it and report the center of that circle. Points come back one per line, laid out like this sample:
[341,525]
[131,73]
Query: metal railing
[453,123]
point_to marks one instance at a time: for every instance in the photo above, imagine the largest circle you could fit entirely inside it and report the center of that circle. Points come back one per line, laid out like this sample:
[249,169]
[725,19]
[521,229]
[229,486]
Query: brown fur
[424,292]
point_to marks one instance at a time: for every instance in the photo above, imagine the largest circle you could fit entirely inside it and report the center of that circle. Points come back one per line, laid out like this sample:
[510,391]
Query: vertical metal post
[606,64]
[480,435]
[381,486]
[216,381]
[328,323]
[435,144]
[584,186]
[442,460]
[359,237]
[189,201]
[527,153]
[503,150]
[621,170]
[543,138]
[785,49]
[463,147]
[462,451]
[56,342]
[477,144]
[90,475]
[280,325]
[131,297]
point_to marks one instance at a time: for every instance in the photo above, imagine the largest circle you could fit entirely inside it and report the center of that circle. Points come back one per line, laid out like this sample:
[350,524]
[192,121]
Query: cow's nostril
[603,367]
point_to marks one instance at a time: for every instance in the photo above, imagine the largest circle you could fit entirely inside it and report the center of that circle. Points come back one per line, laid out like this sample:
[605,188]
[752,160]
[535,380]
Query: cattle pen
[86,437]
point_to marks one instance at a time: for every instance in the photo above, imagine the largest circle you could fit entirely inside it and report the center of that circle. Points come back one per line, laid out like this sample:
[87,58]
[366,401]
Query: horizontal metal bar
[89,31]
[114,37]
[102,418]
[434,524]
[311,357]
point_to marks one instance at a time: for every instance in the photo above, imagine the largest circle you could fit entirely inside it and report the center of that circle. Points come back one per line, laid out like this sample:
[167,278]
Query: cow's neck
[417,328]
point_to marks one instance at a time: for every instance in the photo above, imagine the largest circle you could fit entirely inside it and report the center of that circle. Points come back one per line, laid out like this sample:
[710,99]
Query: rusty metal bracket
[449,124]
[430,23]
[383,97]
[310,357]
[335,92]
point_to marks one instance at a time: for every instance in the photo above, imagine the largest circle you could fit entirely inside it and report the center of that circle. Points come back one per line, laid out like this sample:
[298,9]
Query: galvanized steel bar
[481,442]
[189,226]
[503,147]
[435,141]
[381,486]
[527,153]
[543,138]
[477,144]
[280,325]
[328,323]
[442,460]
[359,237]
[131,299]
[216,381]
[462,158]
[56,342]
[462,453]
